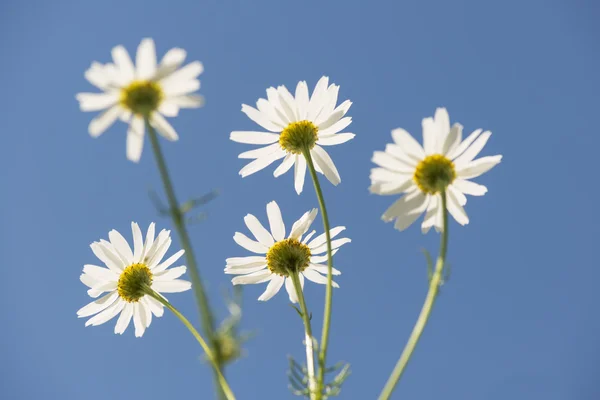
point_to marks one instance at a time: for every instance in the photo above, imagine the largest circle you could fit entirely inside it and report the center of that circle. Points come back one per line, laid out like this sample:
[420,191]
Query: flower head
[445,162]
[280,256]
[145,91]
[296,124]
[128,275]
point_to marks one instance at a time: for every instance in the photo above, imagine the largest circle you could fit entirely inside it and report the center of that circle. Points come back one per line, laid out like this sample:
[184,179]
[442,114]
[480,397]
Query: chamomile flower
[279,256]
[146,90]
[127,275]
[296,124]
[444,162]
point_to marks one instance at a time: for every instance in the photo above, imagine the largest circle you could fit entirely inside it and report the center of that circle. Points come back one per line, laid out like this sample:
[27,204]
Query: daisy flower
[146,90]
[124,280]
[444,162]
[278,256]
[296,124]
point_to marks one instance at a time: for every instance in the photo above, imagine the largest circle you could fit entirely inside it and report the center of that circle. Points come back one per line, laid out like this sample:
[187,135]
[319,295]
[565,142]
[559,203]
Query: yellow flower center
[142,97]
[132,281]
[298,137]
[434,173]
[288,256]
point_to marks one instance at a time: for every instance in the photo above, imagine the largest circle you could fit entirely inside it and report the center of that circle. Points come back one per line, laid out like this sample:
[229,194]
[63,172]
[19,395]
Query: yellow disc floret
[142,97]
[298,137]
[434,173]
[132,281]
[288,256]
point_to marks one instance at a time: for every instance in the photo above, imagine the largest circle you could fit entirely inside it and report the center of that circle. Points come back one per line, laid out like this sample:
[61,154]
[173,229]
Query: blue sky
[518,318]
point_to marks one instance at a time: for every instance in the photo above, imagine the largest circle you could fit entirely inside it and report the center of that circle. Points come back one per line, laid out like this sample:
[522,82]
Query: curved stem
[310,356]
[329,289]
[211,356]
[178,220]
[434,286]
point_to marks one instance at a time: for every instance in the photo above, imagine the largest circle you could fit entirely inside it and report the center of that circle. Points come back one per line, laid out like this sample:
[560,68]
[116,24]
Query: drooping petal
[272,288]
[285,165]
[107,314]
[456,210]
[163,127]
[326,164]
[135,139]
[98,305]
[261,163]
[255,277]
[124,319]
[102,122]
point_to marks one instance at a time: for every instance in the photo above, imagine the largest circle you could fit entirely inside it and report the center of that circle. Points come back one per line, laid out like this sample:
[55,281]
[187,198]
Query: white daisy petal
[386,160]
[323,269]
[274,115]
[102,122]
[123,63]
[97,306]
[168,108]
[403,184]
[302,100]
[135,139]
[406,210]
[335,244]
[472,151]
[97,101]
[318,98]
[430,135]
[328,107]
[107,257]
[458,195]
[456,210]
[323,258]
[453,139]
[155,307]
[100,274]
[335,128]
[175,89]
[322,238]
[299,173]
[243,261]
[315,277]
[285,165]
[138,240]
[258,230]
[124,319]
[172,286]
[307,237]
[408,144]
[260,152]
[260,118]
[121,246]
[287,103]
[289,287]
[139,319]
[239,270]
[188,73]
[170,62]
[301,226]
[188,101]
[272,288]
[321,158]
[276,223]
[442,121]
[163,127]
[107,314]
[168,262]
[478,167]
[458,150]
[161,250]
[431,214]
[249,244]
[251,137]
[261,163]
[470,188]
[170,274]
[145,59]
[149,239]
[336,139]
[255,277]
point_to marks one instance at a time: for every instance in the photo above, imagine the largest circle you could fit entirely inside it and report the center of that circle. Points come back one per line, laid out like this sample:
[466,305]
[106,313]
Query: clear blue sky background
[519,316]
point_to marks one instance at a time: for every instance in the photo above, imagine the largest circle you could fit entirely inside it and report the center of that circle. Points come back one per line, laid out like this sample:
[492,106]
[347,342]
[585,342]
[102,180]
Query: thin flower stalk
[178,220]
[310,357]
[435,282]
[329,288]
[210,354]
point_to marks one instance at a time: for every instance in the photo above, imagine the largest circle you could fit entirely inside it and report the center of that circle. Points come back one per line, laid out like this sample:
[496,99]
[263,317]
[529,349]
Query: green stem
[434,286]
[178,220]
[310,356]
[209,353]
[329,289]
